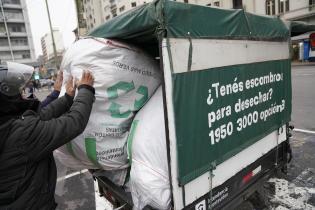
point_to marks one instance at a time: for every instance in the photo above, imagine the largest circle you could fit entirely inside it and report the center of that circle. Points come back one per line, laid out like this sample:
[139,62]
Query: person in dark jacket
[55,93]
[29,135]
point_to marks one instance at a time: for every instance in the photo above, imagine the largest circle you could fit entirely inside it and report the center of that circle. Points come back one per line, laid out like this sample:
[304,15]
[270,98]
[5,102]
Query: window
[11,2]
[209,5]
[2,28]
[17,28]
[14,14]
[283,6]
[5,55]
[186,1]
[94,20]
[237,4]
[107,17]
[114,12]
[26,55]
[216,3]
[311,2]
[133,4]
[287,6]
[270,7]
[19,41]
[121,9]
[4,42]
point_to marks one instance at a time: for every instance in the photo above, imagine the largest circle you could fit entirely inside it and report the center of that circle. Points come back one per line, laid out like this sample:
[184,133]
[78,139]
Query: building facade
[81,19]
[112,8]
[48,50]
[92,13]
[16,42]
[301,10]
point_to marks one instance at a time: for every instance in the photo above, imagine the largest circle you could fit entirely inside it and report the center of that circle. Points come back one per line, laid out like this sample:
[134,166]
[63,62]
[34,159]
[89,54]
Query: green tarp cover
[179,20]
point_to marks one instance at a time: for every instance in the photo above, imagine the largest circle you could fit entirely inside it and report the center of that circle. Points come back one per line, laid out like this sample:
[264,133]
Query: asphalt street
[77,191]
[303,88]
[303,117]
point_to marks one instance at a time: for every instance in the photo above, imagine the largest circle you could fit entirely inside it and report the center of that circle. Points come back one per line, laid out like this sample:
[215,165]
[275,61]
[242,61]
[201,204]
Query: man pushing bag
[29,134]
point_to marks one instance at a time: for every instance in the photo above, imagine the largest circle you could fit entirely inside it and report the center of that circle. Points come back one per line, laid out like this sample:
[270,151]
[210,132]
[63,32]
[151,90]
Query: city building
[16,42]
[48,50]
[93,13]
[113,8]
[300,10]
[82,26]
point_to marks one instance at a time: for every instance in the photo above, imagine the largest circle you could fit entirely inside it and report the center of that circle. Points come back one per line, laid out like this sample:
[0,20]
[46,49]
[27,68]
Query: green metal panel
[197,144]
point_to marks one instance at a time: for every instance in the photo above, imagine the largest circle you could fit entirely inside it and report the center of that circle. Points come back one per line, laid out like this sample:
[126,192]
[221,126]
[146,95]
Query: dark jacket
[27,142]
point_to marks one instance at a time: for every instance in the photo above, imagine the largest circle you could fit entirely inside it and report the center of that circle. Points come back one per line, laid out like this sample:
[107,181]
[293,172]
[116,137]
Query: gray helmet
[13,77]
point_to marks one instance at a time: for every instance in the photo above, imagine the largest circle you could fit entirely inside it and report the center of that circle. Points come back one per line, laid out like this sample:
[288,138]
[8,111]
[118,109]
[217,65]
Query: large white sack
[149,179]
[125,78]
[118,177]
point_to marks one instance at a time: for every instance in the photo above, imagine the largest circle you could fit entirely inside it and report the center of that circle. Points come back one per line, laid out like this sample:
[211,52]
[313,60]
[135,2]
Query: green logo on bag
[115,108]
[124,86]
[143,91]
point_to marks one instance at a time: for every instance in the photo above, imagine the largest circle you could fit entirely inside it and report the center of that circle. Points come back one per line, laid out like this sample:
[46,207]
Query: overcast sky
[63,16]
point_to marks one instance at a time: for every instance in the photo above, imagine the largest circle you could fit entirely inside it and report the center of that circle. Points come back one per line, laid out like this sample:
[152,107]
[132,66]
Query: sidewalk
[296,63]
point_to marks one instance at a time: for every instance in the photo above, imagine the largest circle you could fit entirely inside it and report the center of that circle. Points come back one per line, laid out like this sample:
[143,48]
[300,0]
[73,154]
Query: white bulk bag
[125,78]
[149,179]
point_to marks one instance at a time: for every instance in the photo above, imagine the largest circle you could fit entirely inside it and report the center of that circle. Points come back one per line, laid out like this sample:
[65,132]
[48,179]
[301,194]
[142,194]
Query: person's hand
[86,79]
[70,87]
[58,82]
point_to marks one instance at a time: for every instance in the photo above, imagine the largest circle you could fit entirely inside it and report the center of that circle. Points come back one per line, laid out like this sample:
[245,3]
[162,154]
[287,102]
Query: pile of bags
[125,80]
[149,178]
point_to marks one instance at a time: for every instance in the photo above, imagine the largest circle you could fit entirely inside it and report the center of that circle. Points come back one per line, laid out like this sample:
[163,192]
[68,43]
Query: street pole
[7,30]
[52,37]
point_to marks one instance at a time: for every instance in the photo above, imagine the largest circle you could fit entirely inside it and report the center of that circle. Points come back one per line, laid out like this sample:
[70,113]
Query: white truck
[227,98]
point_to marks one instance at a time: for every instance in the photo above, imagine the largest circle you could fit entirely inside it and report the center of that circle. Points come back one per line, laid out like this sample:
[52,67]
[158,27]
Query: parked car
[46,82]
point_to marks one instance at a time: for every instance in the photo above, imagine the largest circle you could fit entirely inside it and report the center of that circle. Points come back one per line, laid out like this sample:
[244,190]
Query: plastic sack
[149,178]
[125,79]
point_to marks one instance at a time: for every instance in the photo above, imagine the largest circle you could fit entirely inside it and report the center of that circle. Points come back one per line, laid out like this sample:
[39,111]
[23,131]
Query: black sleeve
[56,108]
[50,134]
